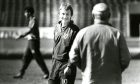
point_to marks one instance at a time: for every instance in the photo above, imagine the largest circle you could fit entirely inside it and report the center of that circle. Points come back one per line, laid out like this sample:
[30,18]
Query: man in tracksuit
[64,34]
[33,48]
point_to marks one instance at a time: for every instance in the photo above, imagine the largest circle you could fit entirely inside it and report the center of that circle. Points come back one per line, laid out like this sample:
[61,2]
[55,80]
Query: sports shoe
[18,76]
[46,76]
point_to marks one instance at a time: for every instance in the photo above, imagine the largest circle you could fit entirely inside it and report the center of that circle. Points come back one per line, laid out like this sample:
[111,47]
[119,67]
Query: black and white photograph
[69,41]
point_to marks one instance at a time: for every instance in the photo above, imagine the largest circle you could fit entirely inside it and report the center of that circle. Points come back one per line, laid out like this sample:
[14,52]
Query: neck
[64,24]
[31,17]
[98,21]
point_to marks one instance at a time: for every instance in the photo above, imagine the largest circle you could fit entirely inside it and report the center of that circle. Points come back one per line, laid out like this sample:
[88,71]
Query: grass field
[34,74]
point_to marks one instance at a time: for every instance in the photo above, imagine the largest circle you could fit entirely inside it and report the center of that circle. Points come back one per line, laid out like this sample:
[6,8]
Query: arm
[124,53]
[74,56]
[31,27]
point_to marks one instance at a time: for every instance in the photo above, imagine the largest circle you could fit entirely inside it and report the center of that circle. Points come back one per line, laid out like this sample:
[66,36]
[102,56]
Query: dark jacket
[63,39]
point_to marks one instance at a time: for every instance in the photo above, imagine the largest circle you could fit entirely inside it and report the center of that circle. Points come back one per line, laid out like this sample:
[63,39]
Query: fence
[11,12]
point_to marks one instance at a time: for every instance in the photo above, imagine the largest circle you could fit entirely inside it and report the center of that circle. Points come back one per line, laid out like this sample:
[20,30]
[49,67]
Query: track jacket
[63,39]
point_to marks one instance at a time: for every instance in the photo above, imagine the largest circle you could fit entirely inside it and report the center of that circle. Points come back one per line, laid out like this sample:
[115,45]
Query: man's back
[100,50]
[100,54]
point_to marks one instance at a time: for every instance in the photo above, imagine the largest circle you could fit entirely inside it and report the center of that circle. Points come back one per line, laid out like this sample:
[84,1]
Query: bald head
[100,8]
[101,11]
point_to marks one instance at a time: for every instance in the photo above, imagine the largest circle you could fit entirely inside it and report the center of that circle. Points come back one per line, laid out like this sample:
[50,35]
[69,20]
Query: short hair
[101,11]
[66,6]
[29,9]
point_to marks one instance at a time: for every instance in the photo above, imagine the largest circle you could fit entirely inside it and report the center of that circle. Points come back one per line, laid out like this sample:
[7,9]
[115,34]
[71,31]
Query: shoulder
[33,21]
[80,35]
[113,28]
[73,26]
[82,32]
[116,31]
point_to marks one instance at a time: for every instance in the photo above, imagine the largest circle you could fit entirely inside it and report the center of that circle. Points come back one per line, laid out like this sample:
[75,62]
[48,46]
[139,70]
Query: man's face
[65,15]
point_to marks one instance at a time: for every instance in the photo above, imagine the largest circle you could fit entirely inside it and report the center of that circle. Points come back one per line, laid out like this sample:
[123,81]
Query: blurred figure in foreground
[33,48]
[100,50]
[64,34]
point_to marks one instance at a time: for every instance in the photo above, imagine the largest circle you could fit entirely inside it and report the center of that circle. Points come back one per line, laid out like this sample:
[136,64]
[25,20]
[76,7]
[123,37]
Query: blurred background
[125,16]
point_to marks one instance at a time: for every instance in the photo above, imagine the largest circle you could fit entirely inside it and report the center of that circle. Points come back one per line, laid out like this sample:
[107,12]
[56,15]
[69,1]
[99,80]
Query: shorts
[57,72]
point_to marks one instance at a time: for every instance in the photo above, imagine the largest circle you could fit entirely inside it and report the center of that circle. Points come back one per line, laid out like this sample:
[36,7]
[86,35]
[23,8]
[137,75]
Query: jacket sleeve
[74,54]
[124,53]
[73,37]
